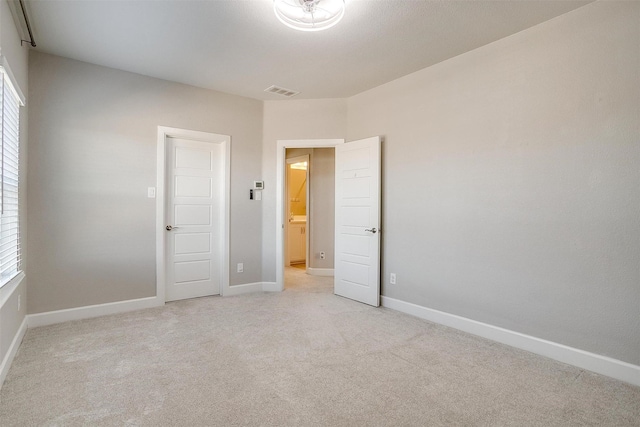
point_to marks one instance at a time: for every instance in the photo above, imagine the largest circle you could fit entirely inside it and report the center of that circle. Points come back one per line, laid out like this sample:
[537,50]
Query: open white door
[357,240]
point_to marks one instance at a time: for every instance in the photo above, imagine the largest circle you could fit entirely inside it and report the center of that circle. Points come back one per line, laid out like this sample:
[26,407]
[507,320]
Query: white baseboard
[610,367]
[11,352]
[59,316]
[243,289]
[270,287]
[320,271]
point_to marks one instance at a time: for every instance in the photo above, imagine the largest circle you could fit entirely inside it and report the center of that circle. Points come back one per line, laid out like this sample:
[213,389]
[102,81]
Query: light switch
[151,192]
[258,195]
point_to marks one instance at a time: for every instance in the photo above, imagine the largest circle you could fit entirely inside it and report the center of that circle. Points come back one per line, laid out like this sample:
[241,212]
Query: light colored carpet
[303,357]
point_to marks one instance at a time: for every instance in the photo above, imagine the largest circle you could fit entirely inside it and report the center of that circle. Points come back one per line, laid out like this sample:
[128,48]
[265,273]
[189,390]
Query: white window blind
[9,150]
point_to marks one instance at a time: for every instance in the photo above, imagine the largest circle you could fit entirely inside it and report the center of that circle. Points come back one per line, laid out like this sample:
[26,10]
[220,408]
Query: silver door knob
[171,227]
[372,230]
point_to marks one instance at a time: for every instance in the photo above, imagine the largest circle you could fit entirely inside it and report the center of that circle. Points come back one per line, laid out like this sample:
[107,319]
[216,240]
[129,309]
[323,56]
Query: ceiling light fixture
[309,15]
[299,166]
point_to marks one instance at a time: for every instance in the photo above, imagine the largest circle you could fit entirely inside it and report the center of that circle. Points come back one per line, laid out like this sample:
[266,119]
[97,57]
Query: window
[10,102]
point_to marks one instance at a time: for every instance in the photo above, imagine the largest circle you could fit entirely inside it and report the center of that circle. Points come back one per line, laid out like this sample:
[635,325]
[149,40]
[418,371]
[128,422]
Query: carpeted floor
[303,357]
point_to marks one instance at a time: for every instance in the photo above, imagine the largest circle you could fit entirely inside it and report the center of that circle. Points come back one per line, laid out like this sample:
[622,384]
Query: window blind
[9,161]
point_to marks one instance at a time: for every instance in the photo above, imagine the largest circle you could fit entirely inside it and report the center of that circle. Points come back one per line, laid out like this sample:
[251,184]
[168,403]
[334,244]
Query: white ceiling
[239,46]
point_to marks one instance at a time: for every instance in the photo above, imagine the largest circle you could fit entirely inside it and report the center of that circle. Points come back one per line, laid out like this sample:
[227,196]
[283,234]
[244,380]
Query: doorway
[357,179]
[297,184]
[283,213]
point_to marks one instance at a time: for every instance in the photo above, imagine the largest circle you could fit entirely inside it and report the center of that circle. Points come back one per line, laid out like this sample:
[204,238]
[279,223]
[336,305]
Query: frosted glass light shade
[309,15]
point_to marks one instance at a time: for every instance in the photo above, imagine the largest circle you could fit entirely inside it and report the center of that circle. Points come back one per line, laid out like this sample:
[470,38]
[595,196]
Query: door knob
[171,227]
[371,230]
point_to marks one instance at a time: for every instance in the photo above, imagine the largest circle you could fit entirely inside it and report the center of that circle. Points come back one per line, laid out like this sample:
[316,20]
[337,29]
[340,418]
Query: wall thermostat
[258,185]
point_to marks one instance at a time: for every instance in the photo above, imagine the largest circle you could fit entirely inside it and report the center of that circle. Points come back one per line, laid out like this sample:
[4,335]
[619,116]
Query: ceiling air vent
[281,91]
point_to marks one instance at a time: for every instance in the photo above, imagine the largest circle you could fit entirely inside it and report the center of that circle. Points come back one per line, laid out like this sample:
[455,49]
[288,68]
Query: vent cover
[281,91]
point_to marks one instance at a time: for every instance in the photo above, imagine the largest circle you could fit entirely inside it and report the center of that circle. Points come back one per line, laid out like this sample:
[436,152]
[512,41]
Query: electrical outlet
[19,295]
[240,267]
[322,255]
[392,278]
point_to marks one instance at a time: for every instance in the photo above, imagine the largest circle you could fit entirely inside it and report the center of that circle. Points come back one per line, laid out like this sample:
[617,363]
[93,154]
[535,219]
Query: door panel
[192,243]
[356,245]
[195,178]
[192,186]
[192,215]
[355,215]
[193,159]
[357,188]
[192,271]
[357,240]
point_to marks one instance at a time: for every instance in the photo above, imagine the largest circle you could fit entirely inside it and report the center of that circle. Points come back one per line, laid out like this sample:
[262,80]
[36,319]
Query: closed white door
[357,228]
[195,177]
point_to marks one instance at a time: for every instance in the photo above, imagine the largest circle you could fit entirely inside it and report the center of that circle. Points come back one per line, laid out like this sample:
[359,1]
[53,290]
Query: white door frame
[225,140]
[282,146]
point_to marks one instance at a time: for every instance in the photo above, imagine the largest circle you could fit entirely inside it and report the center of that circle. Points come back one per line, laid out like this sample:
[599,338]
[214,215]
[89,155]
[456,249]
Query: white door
[357,240]
[195,177]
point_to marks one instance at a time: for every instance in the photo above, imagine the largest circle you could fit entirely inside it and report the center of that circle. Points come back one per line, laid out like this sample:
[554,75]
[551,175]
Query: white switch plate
[151,192]
[240,267]
[257,195]
[392,278]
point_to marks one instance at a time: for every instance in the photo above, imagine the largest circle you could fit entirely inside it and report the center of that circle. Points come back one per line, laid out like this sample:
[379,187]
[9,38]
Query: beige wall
[511,181]
[322,207]
[17,56]
[292,119]
[92,156]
